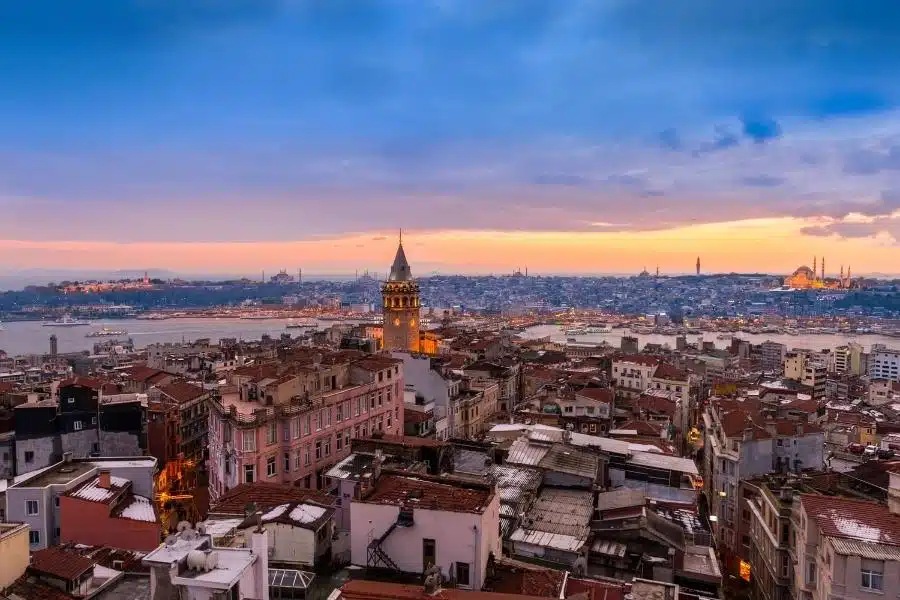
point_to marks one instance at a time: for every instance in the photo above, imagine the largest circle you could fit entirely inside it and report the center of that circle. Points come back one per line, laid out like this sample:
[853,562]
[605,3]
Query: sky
[568,136]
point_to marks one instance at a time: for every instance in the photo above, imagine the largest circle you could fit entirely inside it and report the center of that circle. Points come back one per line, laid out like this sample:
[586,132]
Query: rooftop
[63,473]
[853,519]
[300,514]
[264,495]
[425,493]
[359,589]
[60,563]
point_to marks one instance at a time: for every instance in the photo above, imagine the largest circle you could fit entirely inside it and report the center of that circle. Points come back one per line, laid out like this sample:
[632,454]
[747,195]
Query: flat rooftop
[63,473]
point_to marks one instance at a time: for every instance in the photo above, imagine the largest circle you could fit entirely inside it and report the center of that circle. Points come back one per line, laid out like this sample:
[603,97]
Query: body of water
[28,337]
[812,342]
[31,337]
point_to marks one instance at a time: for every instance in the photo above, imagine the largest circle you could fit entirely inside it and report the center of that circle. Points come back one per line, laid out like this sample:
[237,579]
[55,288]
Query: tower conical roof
[400,270]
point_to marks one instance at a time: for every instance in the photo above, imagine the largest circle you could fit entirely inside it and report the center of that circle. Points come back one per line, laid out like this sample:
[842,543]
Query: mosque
[805,278]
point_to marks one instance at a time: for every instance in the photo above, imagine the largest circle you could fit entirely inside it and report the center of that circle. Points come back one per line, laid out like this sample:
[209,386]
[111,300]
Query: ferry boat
[598,329]
[66,321]
[302,324]
[576,331]
[106,332]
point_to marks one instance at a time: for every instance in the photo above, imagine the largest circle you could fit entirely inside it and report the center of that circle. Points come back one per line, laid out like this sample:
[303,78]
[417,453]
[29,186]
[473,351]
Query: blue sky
[225,120]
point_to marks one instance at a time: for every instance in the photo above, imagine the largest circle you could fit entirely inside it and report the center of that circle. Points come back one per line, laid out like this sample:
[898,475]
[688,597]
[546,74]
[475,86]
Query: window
[339,412]
[29,456]
[34,537]
[328,446]
[462,574]
[320,420]
[872,580]
[389,420]
[295,428]
[272,433]
[93,420]
[811,574]
[31,507]
[429,552]
[56,501]
[339,441]
[306,458]
[297,460]
[319,450]
[358,405]
[249,473]
[76,425]
[306,425]
[270,466]
[286,430]
[347,437]
[287,462]
[249,440]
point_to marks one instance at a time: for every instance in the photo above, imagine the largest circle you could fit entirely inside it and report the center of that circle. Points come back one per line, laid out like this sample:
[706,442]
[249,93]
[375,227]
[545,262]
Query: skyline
[251,134]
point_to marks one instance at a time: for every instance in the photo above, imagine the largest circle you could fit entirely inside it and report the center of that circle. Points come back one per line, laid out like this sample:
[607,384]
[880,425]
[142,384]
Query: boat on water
[106,332]
[598,329]
[302,324]
[257,317]
[66,321]
[576,331]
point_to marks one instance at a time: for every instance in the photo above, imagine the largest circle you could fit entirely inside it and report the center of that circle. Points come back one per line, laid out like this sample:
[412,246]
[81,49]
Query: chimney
[259,543]
[67,457]
[103,479]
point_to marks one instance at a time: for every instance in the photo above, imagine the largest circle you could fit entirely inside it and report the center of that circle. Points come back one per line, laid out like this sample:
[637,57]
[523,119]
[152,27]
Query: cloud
[760,130]
[762,181]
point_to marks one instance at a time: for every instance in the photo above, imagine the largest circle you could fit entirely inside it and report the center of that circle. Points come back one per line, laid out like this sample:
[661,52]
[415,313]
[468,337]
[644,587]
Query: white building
[407,524]
[884,363]
[189,567]
[632,374]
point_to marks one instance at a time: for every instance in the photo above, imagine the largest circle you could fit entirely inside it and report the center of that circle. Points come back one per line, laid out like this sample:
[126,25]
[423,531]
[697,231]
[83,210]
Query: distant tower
[657,270]
[146,278]
[698,266]
[823,269]
[400,295]
[815,270]
[54,346]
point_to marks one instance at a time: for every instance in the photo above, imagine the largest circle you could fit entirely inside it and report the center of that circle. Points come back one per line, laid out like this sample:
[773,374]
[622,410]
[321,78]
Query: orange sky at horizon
[765,245]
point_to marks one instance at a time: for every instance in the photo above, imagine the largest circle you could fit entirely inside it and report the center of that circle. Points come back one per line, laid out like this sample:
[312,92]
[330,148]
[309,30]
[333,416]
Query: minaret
[657,271]
[815,270]
[823,269]
[698,266]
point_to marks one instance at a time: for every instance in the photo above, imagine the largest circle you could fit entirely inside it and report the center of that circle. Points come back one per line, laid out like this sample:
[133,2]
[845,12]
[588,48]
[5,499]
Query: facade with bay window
[296,440]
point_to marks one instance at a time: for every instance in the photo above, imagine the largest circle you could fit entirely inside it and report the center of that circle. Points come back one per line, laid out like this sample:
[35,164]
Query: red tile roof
[642,427]
[60,563]
[361,589]
[182,391]
[29,587]
[81,381]
[600,394]
[265,495]
[377,363]
[594,590]
[852,519]
[670,373]
[428,494]
[142,373]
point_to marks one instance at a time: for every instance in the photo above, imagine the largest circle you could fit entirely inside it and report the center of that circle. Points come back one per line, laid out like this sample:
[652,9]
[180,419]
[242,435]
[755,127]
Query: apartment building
[14,548]
[814,377]
[850,359]
[742,441]
[474,408]
[36,500]
[632,374]
[846,549]
[427,378]
[768,505]
[772,356]
[503,372]
[408,524]
[281,439]
[884,363]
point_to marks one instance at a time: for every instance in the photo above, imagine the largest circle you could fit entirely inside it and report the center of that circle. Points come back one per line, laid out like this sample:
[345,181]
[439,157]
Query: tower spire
[401,236]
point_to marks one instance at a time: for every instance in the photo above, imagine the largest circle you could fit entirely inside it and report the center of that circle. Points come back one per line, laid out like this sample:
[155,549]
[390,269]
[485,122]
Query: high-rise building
[884,363]
[401,306]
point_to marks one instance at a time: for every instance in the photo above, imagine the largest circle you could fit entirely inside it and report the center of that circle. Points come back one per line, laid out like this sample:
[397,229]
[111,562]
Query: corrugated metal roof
[848,547]
[548,540]
[609,548]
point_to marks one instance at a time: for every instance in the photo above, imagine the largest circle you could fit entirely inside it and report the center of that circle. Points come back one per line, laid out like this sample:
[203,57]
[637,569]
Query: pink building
[255,435]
